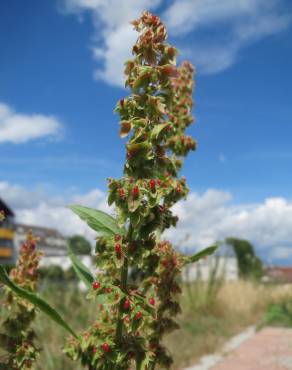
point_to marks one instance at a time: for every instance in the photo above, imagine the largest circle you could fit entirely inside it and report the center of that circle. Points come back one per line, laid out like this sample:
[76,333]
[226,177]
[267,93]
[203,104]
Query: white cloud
[36,207]
[19,128]
[114,35]
[187,15]
[209,217]
[204,218]
[234,24]
[242,22]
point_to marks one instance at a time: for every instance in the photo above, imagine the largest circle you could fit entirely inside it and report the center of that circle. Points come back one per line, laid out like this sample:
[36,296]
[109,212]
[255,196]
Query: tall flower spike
[154,117]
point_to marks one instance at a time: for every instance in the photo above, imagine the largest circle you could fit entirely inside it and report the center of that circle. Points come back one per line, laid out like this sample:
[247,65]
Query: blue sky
[60,79]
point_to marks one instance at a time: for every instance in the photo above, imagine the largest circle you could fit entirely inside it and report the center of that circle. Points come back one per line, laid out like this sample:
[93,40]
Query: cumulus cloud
[238,23]
[19,128]
[204,218]
[211,216]
[113,33]
[234,24]
[37,207]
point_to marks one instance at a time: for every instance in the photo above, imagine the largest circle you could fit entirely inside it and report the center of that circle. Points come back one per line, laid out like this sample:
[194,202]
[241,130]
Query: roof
[280,273]
[4,207]
[50,241]
[42,232]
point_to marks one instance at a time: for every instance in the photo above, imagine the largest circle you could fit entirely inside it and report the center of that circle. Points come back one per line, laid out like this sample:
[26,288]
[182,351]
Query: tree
[79,245]
[248,263]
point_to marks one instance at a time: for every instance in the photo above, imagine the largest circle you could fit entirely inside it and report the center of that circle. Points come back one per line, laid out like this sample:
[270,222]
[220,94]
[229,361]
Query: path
[268,349]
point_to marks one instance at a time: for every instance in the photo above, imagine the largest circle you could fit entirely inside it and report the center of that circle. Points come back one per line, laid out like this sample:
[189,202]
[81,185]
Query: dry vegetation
[207,321]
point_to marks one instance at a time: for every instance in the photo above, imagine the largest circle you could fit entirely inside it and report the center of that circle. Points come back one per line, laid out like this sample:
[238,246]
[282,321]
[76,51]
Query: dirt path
[268,349]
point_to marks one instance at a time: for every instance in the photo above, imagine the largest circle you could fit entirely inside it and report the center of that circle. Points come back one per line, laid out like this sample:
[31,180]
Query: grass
[207,321]
[279,314]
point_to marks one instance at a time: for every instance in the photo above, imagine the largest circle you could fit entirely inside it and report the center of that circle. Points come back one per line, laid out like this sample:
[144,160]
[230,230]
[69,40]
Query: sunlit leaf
[202,254]
[98,220]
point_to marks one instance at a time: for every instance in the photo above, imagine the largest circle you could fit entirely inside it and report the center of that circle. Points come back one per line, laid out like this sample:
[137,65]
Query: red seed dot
[117,238]
[127,319]
[122,193]
[152,184]
[126,304]
[135,191]
[178,189]
[95,285]
[138,315]
[118,248]
[152,301]
[105,347]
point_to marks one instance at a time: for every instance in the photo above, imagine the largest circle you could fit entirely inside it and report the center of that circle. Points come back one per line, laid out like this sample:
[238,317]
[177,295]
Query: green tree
[249,263]
[79,245]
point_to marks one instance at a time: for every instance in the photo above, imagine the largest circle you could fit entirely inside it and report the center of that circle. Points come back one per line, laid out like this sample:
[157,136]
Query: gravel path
[269,349]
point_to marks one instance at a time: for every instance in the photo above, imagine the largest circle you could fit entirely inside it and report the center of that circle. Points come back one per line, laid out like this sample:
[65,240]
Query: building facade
[7,233]
[50,241]
[221,265]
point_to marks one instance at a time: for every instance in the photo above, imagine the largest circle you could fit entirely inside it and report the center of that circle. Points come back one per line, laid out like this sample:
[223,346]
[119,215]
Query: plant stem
[124,280]
[152,367]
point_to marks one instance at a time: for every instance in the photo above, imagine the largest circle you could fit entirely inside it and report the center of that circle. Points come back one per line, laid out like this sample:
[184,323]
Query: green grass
[279,314]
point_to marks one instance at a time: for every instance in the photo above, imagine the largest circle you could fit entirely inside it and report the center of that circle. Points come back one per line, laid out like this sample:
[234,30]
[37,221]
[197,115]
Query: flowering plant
[134,315]
[16,335]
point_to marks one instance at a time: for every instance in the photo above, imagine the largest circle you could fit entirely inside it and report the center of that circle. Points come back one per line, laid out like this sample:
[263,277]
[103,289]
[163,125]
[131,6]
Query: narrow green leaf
[98,220]
[204,253]
[81,270]
[35,300]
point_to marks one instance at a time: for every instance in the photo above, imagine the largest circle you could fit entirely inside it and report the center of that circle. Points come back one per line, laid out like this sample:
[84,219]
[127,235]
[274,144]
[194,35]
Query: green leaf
[98,220]
[157,130]
[35,300]
[81,270]
[204,253]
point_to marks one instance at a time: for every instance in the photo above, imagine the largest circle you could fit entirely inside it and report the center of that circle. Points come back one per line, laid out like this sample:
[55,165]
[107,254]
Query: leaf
[125,128]
[81,270]
[204,253]
[135,148]
[35,300]
[98,220]
[157,129]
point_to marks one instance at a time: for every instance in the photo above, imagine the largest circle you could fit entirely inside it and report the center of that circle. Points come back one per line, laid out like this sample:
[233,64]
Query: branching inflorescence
[136,316]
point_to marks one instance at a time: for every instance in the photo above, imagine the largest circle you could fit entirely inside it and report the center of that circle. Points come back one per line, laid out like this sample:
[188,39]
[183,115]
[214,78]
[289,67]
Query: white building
[51,242]
[222,264]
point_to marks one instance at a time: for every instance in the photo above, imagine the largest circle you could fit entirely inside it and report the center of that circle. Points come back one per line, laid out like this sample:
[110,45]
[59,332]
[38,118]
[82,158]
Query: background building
[7,232]
[50,241]
[221,265]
